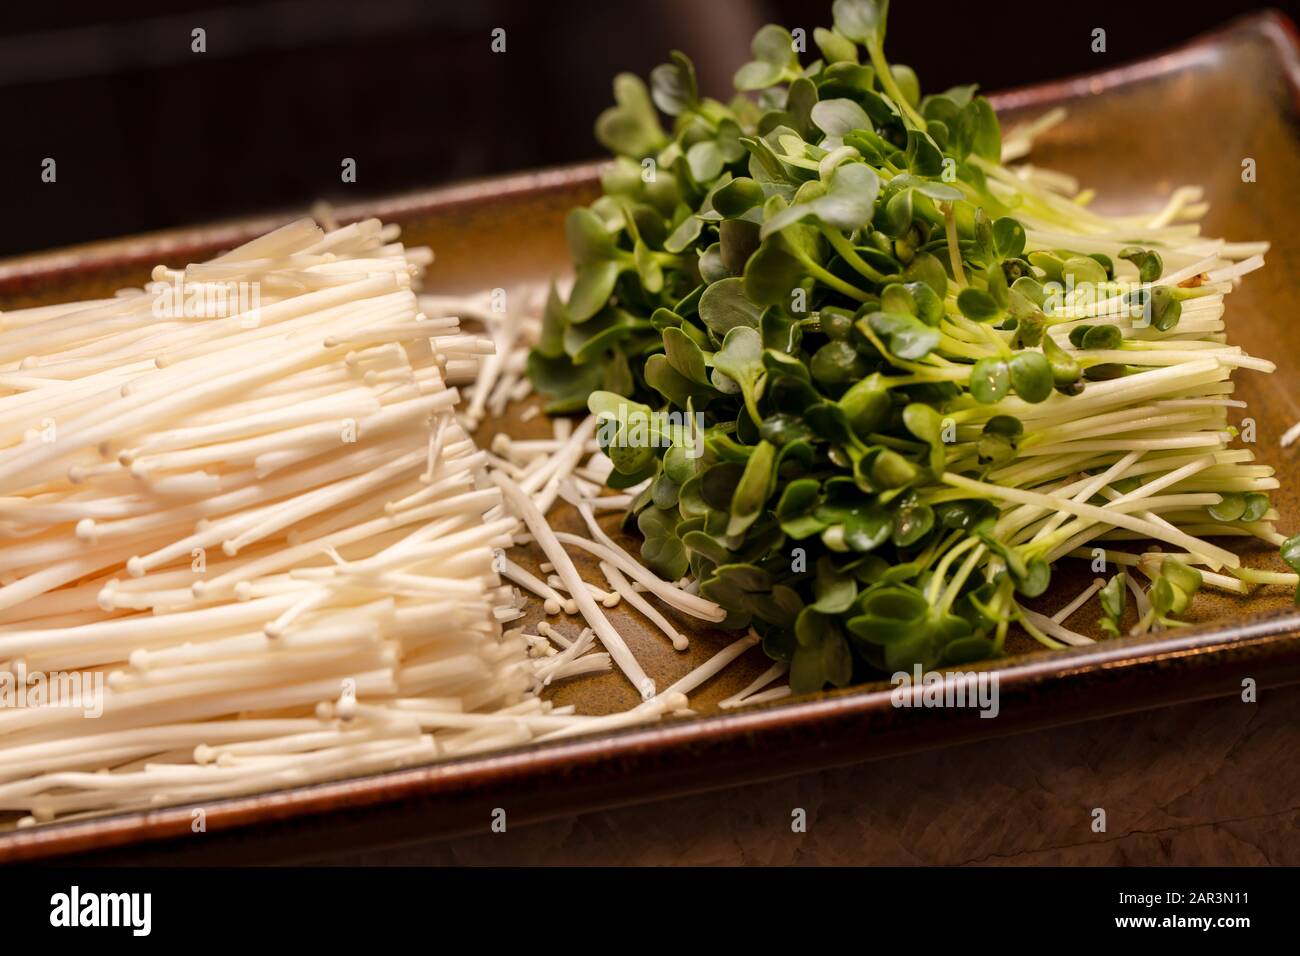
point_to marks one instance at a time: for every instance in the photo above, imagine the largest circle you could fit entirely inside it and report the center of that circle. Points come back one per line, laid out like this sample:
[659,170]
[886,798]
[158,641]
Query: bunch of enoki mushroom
[238,511]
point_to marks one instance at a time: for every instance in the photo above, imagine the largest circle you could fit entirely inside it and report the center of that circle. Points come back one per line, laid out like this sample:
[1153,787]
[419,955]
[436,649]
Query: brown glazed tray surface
[1133,133]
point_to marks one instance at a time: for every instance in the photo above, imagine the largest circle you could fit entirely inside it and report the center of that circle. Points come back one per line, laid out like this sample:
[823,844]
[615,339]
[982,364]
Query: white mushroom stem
[620,584]
[523,505]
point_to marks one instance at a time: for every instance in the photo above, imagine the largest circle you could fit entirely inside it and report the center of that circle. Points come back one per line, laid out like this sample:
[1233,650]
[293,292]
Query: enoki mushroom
[238,506]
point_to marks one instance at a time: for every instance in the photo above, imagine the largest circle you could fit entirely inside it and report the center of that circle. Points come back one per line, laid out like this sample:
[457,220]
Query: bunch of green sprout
[912,377]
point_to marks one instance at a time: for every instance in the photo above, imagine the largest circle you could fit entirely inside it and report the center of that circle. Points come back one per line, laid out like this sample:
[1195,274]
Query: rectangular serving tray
[1134,133]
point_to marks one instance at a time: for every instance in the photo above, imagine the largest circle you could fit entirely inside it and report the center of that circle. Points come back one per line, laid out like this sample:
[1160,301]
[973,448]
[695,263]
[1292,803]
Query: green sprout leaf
[926,424]
[662,551]
[738,197]
[823,659]
[837,117]
[631,127]
[835,48]
[1149,264]
[741,360]
[780,265]
[565,385]
[1031,376]
[724,306]
[774,59]
[990,380]
[685,356]
[905,336]
[672,85]
[978,305]
[999,439]
[1113,597]
[862,21]
[847,204]
[754,489]
[1008,238]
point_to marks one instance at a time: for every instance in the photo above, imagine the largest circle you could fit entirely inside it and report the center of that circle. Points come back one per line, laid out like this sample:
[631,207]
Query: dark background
[148,134]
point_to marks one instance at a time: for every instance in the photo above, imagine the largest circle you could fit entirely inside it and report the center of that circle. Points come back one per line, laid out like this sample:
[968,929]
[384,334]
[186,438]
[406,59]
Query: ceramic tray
[1134,134]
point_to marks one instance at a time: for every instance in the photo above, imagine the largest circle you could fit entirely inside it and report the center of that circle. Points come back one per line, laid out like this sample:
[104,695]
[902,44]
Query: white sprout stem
[620,584]
[532,516]
[1063,615]
[1108,516]
[739,699]
[691,604]
[766,697]
[670,594]
[1054,629]
[713,666]
[555,602]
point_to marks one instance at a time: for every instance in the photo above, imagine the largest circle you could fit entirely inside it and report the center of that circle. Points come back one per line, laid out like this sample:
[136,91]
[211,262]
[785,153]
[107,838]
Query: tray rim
[1118,677]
